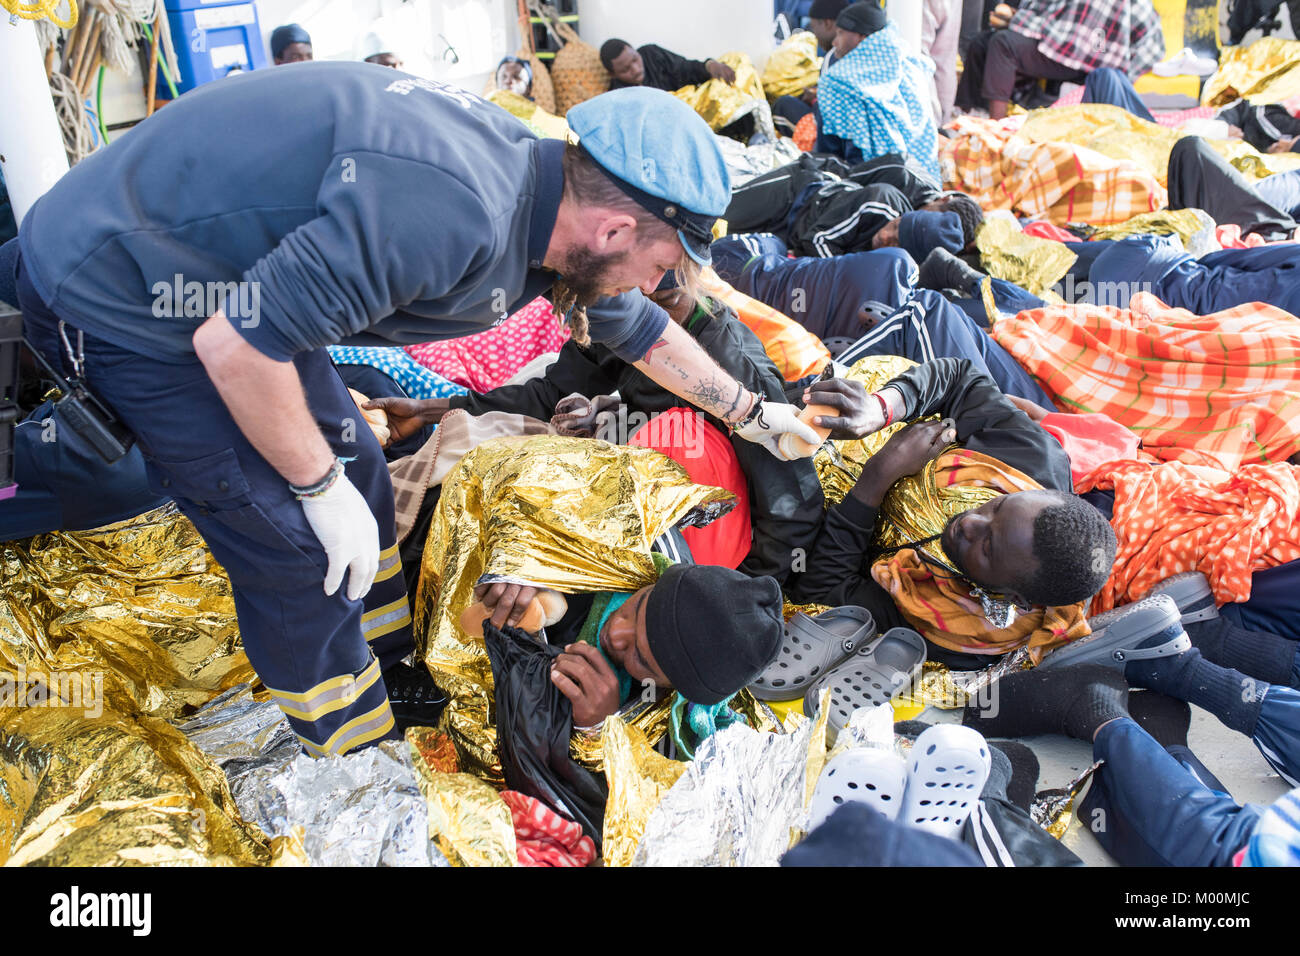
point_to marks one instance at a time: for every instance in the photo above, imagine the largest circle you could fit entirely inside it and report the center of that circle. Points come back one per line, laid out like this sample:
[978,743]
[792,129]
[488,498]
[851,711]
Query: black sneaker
[415,699]
[942,270]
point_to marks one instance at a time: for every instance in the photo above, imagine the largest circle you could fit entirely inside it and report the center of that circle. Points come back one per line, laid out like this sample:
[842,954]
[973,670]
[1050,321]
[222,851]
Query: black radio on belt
[81,411]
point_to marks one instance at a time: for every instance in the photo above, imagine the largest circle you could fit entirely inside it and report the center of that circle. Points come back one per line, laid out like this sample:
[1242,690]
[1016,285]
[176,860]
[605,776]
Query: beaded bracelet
[320,487]
[755,412]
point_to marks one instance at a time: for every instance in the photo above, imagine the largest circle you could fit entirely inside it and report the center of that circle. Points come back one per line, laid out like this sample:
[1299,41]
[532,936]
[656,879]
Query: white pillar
[31,144]
[907,14]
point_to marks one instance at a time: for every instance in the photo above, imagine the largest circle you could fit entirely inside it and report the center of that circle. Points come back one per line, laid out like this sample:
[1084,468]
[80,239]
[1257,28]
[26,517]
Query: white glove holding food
[770,426]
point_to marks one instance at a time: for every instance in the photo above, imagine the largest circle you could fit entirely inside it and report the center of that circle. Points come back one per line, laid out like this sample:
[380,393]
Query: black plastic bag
[534,722]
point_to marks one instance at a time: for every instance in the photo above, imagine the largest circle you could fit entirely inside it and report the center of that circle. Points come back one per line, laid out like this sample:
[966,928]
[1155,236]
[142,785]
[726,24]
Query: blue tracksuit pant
[928,326]
[1214,282]
[1274,602]
[320,656]
[826,296]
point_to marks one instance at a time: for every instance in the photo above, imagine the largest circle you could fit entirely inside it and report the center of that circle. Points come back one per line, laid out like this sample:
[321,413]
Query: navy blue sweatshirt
[355,202]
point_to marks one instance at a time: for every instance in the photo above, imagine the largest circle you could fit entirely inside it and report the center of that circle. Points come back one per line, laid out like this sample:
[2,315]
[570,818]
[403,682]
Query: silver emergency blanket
[738,804]
[746,162]
[362,809]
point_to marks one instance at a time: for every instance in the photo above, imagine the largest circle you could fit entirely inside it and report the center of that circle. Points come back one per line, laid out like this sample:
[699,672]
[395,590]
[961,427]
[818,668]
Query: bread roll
[376,418]
[792,446]
[543,611]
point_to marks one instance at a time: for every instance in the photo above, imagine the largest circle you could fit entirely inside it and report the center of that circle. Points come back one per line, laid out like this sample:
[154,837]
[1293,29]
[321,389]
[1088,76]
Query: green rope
[99,105]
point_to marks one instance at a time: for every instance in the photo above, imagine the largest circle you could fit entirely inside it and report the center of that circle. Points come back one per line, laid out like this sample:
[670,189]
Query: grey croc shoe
[1117,636]
[874,675]
[812,646]
[1191,592]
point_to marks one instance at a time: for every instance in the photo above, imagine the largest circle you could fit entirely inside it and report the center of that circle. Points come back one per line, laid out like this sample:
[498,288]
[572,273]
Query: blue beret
[920,233]
[288,35]
[659,151]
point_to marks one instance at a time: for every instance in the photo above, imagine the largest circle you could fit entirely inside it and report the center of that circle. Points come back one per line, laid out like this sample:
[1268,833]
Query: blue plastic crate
[213,40]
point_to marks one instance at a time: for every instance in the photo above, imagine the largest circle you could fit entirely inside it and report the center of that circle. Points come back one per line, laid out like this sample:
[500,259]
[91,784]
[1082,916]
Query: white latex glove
[349,534]
[774,420]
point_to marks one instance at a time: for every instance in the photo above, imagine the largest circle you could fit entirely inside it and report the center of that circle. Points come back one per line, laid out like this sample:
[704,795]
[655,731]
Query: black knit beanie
[712,629]
[826,9]
[865,17]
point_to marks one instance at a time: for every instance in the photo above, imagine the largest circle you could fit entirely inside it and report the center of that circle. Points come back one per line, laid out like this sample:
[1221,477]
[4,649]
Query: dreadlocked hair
[564,303]
[585,184]
[1075,547]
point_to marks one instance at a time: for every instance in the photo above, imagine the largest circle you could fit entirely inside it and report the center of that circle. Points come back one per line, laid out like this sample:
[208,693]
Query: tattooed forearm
[709,394]
[686,370]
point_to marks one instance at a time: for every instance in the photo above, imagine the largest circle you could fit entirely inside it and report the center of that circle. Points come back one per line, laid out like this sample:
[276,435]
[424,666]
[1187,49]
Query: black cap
[865,17]
[712,629]
[826,9]
[287,35]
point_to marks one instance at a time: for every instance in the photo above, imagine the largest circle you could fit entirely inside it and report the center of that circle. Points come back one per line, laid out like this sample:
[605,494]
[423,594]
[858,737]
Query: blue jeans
[1281,190]
[1150,808]
[1007,296]
[1108,85]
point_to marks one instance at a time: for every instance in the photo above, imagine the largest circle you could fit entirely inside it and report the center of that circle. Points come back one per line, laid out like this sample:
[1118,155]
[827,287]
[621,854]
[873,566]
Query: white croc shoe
[947,771]
[865,775]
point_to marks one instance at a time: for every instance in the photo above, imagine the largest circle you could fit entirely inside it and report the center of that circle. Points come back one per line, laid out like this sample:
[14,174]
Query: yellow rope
[42,10]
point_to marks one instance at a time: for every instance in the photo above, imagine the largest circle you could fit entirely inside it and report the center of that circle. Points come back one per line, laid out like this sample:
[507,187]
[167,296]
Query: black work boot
[415,699]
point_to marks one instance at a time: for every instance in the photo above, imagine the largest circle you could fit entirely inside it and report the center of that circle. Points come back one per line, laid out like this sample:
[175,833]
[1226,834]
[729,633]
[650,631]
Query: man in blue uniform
[195,270]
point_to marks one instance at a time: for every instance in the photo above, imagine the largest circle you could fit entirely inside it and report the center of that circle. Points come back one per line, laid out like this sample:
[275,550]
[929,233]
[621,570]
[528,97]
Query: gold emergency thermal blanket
[571,514]
[544,124]
[793,67]
[1183,223]
[1264,72]
[1031,262]
[638,778]
[720,103]
[104,635]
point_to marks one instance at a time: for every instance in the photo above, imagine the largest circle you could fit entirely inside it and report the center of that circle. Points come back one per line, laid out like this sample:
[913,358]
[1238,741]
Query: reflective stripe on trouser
[309,648]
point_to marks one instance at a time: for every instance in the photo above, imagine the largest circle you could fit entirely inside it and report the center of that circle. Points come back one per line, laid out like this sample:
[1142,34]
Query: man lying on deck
[1031,548]
[824,207]
[871,299]
[702,630]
